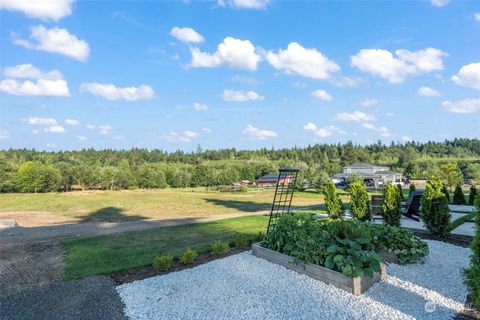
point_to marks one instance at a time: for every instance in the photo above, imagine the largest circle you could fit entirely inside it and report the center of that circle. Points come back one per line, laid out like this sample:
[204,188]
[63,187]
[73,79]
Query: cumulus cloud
[462,106]
[187,35]
[259,134]
[200,107]
[185,136]
[56,129]
[384,64]
[298,60]
[407,139]
[428,92]
[322,95]
[468,76]
[45,83]
[41,9]
[356,116]
[244,4]
[41,121]
[382,130]
[206,130]
[240,96]
[246,80]
[439,3]
[112,92]
[72,122]
[56,40]
[82,138]
[234,53]
[369,102]
[323,132]
[104,129]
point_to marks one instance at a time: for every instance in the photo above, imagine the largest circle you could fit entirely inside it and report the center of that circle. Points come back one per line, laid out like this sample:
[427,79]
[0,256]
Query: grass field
[120,252]
[168,203]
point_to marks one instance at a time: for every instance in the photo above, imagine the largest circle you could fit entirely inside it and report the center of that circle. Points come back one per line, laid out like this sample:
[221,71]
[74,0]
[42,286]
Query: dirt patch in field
[36,218]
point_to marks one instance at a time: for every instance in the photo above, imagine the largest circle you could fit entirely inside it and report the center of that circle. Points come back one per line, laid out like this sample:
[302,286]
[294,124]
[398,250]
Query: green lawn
[119,252]
[465,218]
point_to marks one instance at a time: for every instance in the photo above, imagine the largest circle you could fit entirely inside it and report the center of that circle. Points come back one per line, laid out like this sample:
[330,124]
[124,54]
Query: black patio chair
[411,207]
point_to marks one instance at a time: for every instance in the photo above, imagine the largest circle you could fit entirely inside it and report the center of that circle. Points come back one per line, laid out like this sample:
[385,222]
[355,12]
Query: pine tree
[411,189]
[400,192]
[391,205]
[332,201]
[458,195]
[471,196]
[359,201]
[434,210]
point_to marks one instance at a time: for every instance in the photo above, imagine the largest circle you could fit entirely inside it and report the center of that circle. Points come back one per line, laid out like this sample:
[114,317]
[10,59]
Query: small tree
[400,192]
[458,195]
[446,192]
[391,205]
[359,201]
[471,196]
[332,201]
[322,180]
[434,211]
[411,189]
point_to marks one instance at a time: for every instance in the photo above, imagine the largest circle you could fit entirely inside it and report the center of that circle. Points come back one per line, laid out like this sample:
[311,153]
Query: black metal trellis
[282,199]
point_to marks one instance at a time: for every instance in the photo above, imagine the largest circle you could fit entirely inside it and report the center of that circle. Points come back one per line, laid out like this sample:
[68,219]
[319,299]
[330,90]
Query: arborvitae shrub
[359,201]
[188,256]
[446,192]
[458,195]
[400,192]
[411,189]
[471,196]
[162,263]
[391,205]
[472,274]
[332,201]
[434,210]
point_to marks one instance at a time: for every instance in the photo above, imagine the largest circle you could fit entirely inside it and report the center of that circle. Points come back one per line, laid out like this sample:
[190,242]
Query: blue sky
[236,73]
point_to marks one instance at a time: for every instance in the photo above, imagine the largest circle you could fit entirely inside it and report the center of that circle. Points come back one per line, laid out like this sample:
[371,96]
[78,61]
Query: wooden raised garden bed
[355,286]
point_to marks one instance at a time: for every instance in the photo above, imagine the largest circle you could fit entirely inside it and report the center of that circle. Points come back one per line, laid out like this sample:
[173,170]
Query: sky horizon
[242,74]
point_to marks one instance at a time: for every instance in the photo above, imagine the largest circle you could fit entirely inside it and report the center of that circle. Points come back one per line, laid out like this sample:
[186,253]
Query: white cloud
[41,121]
[90,126]
[369,102]
[112,92]
[56,40]
[4,134]
[477,16]
[200,107]
[382,130]
[259,134]
[342,81]
[245,80]
[185,136]
[188,35]
[244,4]
[322,95]
[468,76]
[82,138]
[383,63]
[234,53]
[323,132]
[45,84]
[428,92]
[104,129]
[439,3]
[56,129]
[240,96]
[462,106]
[356,116]
[42,9]
[407,139]
[206,130]
[72,122]
[298,60]
[390,114]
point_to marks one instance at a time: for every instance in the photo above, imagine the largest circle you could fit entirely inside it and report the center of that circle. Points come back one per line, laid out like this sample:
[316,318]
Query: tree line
[26,170]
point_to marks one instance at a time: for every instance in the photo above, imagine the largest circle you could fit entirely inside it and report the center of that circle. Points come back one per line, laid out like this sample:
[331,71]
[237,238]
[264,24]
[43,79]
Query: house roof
[363,166]
[269,177]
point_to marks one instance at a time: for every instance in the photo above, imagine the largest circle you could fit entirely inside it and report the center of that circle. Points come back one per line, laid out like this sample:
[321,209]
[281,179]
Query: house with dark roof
[373,175]
[270,180]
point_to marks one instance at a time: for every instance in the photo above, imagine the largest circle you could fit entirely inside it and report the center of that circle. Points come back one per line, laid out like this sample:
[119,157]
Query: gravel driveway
[246,287]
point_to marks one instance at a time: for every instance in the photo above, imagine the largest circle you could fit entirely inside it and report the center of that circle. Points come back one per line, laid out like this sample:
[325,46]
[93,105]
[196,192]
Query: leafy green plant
[434,210]
[400,192]
[359,201]
[391,205]
[332,201]
[446,192]
[220,247]
[244,188]
[162,263]
[458,195]
[240,240]
[411,189]
[188,256]
[472,194]
[472,274]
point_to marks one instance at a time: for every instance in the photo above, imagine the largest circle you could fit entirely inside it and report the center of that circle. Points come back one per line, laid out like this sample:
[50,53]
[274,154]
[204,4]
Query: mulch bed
[458,240]
[147,272]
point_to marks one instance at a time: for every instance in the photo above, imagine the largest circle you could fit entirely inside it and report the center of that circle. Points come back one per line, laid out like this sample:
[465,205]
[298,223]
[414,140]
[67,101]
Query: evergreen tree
[322,180]
[411,189]
[471,196]
[434,210]
[359,201]
[446,192]
[391,205]
[400,192]
[332,201]
[458,195]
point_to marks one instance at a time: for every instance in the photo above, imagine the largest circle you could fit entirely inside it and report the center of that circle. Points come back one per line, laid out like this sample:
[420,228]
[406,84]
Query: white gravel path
[246,287]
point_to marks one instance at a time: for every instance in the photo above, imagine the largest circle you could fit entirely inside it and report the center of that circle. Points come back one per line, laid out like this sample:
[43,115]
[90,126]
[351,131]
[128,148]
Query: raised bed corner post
[282,200]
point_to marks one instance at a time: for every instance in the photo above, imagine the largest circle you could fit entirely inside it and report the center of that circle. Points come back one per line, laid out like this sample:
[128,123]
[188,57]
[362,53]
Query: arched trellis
[282,199]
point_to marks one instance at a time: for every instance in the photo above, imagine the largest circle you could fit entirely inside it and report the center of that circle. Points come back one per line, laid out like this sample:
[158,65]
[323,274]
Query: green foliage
[458,195]
[322,181]
[353,178]
[162,263]
[332,201]
[240,240]
[434,209]
[37,177]
[451,174]
[391,205]
[472,274]
[411,189]
[404,244]
[359,201]
[472,194]
[220,247]
[151,176]
[188,256]
[446,192]
[400,192]
[244,189]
